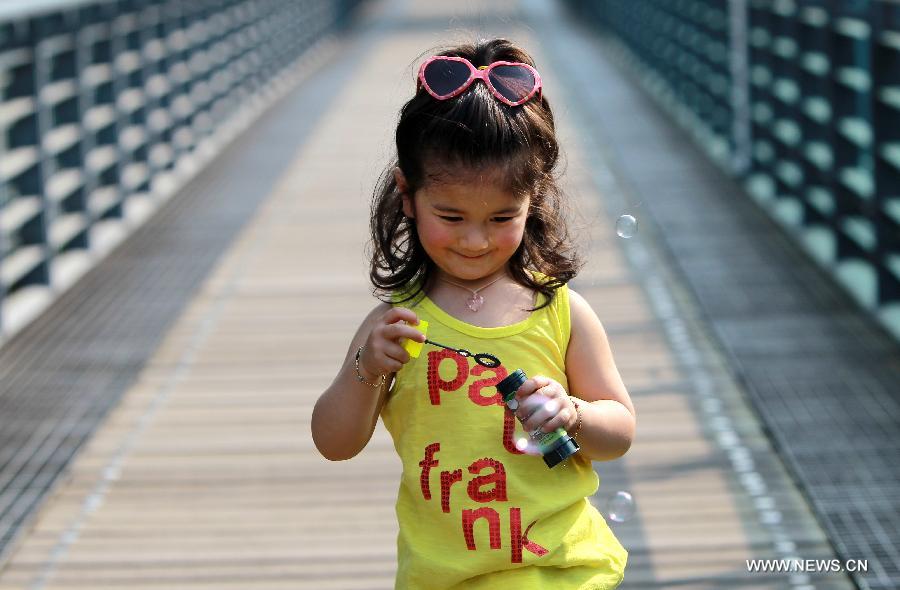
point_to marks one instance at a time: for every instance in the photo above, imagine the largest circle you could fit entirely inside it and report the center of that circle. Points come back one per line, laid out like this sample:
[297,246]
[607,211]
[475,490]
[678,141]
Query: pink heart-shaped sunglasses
[513,83]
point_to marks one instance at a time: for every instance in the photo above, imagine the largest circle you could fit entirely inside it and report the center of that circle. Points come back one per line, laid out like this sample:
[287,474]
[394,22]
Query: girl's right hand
[383,353]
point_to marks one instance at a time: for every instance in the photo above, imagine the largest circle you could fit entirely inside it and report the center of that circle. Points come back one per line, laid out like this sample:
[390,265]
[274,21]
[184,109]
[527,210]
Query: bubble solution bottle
[556,446]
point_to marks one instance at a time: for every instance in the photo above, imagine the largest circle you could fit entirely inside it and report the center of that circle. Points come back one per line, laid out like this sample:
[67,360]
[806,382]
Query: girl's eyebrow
[446,209]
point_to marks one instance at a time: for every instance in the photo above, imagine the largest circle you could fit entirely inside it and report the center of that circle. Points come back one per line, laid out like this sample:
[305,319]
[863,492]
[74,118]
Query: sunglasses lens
[445,76]
[515,83]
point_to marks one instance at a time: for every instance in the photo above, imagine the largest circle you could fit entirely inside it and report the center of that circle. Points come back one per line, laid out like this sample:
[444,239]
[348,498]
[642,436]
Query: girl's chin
[469,274]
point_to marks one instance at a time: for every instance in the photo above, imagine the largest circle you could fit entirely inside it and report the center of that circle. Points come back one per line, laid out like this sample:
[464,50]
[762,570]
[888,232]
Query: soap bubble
[93,503]
[620,507]
[626,226]
[527,446]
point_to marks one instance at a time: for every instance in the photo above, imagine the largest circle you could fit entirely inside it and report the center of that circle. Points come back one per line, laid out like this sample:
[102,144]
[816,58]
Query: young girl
[467,235]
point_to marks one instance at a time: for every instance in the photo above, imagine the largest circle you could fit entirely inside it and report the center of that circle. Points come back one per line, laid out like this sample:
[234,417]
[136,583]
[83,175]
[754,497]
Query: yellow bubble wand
[414,349]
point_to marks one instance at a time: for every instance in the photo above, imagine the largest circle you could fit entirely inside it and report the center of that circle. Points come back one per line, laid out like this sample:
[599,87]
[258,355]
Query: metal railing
[800,99]
[98,98]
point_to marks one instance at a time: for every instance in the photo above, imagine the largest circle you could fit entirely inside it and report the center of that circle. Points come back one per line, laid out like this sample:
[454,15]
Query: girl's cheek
[435,234]
[511,239]
[440,236]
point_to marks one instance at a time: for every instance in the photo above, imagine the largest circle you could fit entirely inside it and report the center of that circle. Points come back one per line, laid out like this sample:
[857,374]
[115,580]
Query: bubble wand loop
[482,358]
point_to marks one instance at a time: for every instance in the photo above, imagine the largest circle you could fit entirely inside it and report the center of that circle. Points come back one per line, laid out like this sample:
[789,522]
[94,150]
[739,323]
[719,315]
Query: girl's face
[470,230]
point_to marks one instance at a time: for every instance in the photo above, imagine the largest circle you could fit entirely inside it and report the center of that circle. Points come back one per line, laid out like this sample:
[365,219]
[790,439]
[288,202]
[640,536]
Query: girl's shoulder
[560,294]
[408,295]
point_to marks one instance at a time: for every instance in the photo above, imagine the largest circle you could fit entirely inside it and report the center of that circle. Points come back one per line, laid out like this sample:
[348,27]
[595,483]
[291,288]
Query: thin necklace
[475,301]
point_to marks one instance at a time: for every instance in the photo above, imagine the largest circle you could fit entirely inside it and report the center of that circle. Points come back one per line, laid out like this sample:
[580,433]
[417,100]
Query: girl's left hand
[544,404]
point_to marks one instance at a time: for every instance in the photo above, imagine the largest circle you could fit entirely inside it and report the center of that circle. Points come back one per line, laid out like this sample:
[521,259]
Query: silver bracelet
[359,376]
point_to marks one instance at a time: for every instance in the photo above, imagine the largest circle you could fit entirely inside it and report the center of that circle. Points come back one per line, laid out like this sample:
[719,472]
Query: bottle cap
[565,449]
[509,386]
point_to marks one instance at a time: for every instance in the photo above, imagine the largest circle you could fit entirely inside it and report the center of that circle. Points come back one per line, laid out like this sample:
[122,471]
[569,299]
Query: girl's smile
[472,256]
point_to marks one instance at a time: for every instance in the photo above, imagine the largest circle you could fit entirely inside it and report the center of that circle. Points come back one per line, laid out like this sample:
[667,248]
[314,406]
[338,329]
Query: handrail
[798,100]
[99,99]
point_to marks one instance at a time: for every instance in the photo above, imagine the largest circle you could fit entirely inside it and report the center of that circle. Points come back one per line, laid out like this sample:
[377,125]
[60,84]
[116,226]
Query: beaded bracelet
[359,376]
[575,432]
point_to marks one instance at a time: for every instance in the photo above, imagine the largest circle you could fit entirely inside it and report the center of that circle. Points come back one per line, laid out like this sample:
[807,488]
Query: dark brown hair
[473,132]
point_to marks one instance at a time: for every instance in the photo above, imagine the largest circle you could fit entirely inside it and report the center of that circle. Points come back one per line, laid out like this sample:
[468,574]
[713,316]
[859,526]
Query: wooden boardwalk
[205,476]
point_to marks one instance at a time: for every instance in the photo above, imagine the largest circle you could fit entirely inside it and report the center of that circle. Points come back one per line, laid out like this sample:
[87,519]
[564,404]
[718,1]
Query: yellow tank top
[473,510]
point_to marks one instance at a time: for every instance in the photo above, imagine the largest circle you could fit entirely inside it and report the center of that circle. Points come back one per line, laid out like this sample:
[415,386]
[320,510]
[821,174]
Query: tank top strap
[559,313]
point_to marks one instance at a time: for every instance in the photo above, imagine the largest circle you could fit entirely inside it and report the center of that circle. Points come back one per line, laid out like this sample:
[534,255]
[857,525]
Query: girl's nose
[475,240]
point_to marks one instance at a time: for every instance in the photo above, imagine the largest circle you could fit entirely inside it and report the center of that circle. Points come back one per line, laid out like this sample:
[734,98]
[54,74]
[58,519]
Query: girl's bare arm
[608,420]
[345,415]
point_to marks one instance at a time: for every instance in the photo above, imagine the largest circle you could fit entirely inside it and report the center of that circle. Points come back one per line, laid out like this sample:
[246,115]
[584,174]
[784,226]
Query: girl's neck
[505,301]
[471,284]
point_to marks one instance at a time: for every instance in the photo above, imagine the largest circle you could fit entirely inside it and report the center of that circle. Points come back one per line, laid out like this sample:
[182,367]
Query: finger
[541,389]
[373,362]
[558,421]
[388,363]
[551,391]
[537,410]
[537,419]
[397,353]
[541,381]
[537,432]
[529,405]
[385,353]
[525,390]
[401,314]
[398,331]
[548,387]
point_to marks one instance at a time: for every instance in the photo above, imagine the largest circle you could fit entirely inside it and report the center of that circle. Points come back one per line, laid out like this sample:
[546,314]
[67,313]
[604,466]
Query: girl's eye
[450,218]
[502,219]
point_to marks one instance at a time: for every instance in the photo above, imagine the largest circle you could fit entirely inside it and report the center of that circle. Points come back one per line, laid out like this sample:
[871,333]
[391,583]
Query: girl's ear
[403,189]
